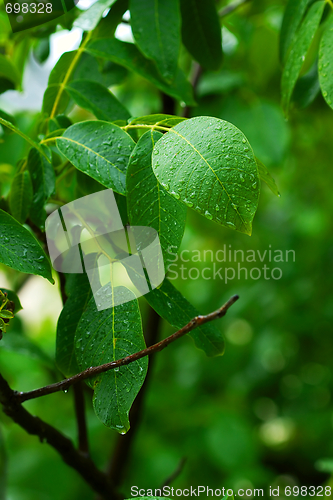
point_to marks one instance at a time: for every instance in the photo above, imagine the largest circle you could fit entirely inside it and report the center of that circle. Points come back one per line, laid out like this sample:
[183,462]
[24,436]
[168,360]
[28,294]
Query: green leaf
[209,165]
[43,181]
[89,19]
[299,50]
[158,119]
[55,101]
[16,342]
[325,65]
[169,303]
[9,76]
[149,204]
[307,87]
[127,54]
[156,28]
[201,32]
[98,99]
[14,298]
[292,19]
[100,150]
[20,250]
[266,177]
[6,314]
[80,294]
[21,196]
[108,335]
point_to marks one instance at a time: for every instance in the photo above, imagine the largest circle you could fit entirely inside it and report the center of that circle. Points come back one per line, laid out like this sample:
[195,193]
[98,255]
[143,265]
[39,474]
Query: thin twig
[98,480]
[96,370]
[232,7]
[175,473]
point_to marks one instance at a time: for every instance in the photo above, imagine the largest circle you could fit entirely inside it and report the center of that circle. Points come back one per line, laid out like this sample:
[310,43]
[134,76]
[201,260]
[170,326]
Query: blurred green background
[262,414]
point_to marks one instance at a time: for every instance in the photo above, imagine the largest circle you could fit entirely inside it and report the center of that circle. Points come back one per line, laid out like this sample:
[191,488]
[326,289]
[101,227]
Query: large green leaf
[68,320]
[108,335]
[209,165]
[156,29]
[149,204]
[299,50]
[89,19]
[100,150]
[292,19]
[169,303]
[325,65]
[98,99]
[21,196]
[43,182]
[201,32]
[127,54]
[20,250]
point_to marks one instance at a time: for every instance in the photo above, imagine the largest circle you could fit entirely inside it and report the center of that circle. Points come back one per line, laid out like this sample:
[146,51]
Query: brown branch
[97,480]
[96,370]
[232,7]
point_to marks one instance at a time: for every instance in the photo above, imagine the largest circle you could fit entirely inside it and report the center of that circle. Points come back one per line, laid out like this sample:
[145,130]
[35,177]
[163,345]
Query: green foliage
[105,336]
[184,144]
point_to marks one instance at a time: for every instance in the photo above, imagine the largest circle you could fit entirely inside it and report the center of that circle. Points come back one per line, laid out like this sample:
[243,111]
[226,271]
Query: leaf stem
[96,370]
[9,125]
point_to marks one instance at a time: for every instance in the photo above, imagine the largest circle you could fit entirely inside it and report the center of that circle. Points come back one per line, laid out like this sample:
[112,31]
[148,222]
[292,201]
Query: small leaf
[127,54]
[158,119]
[98,99]
[13,298]
[89,19]
[169,303]
[21,196]
[20,250]
[100,150]
[208,164]
[299,50]
[149,204]
[80,294]
[108,335]
[43,182]
[292,19]
[325,65]
[156,28]
[201,32]
[55,100]
[266,177]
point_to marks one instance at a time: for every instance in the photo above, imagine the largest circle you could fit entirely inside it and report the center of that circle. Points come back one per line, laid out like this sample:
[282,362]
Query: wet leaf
[149,204]
[20,250]
[108,335]
[208,164]
[100,150]
[325,65]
